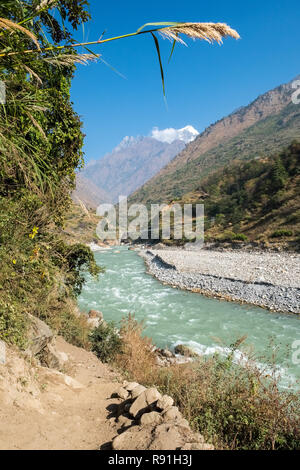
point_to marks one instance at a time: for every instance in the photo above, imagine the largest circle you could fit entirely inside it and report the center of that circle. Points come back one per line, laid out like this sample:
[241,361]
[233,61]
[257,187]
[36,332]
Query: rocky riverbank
[269,280]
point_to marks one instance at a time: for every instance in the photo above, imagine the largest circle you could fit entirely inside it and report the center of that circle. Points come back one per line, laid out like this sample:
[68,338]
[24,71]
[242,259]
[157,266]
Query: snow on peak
[169,135]
[128,141]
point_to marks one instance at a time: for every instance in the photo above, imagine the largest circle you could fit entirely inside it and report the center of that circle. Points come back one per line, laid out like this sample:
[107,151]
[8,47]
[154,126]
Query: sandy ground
[282,269]
[41,408]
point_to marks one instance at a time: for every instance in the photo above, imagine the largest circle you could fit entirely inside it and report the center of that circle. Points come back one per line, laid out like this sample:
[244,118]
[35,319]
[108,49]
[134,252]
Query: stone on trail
[122,393]
[137,391]
[39,335]
[130,386]
[143,402]
[165,402]
[172,413]
[151,418]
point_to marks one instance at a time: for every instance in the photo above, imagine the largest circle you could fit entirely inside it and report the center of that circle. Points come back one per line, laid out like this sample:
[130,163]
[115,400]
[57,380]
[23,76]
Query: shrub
[137,358]
[282,233]
[234,406]
[13,324]
[240,236]
[105,341]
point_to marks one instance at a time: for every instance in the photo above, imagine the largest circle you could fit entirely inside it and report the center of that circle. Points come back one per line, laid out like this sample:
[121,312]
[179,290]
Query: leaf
[161,23]
[173,47]
[160,62]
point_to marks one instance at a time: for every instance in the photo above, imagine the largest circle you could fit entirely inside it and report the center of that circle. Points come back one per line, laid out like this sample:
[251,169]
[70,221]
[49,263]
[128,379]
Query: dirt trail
[41,408]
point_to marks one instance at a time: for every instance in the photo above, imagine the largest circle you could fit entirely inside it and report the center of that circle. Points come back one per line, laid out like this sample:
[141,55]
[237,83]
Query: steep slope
[130,165]
[257,200]
[88,193]
[270,123]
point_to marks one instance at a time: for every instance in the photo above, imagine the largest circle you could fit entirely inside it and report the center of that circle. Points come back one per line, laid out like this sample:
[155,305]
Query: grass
[233,406]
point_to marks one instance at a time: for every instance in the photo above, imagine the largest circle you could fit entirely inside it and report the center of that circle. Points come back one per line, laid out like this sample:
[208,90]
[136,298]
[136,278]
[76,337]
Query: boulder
[125,421]
[39,335]
[122,393]
[165,402]
[137,391]
[166,353]
[134,438]
[51,357]
[171,414]
[130,386]
[170,437]
[151,418]
[144,402]
[185,351]
[95,314]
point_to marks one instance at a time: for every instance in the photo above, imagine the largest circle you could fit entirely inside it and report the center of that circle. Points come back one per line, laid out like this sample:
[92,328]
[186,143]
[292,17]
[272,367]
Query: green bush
[240,236]
[13,325]
[106,342]
[282,233]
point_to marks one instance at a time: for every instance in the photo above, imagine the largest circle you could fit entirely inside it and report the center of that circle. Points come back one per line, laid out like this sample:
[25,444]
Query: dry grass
[13,27]
[137,358]
[233,406]
[209,32]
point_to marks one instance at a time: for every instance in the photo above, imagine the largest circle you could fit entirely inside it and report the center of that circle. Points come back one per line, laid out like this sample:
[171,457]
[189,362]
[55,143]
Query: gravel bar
[269,280]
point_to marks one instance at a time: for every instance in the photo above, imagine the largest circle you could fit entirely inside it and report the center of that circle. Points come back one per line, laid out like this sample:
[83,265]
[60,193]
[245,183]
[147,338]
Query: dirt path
[41,408]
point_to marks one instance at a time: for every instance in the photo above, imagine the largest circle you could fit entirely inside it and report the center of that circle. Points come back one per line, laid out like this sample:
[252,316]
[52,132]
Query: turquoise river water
[173,316]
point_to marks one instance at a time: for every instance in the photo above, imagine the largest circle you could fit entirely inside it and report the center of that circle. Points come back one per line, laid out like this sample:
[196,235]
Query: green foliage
[40,147]
[282,233]
[12,324]
[106,342]
[74,329]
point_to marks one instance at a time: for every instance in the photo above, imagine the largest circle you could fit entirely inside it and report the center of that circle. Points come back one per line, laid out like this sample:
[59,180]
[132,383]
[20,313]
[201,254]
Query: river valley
[173,316]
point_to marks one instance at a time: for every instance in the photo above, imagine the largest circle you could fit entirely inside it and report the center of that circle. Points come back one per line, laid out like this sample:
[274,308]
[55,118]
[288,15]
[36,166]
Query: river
[173,316]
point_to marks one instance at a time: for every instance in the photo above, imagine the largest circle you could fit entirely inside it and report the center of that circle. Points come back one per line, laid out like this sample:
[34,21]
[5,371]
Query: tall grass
[234,406]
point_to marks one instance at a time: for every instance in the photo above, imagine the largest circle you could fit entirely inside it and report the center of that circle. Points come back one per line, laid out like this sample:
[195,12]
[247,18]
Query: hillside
[257,200]
[268,124]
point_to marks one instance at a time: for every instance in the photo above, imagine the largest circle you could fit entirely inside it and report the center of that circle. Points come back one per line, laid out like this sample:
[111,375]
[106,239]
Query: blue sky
[203,82]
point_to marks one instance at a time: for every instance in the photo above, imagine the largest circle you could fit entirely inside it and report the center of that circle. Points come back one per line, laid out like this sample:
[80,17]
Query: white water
[175,317]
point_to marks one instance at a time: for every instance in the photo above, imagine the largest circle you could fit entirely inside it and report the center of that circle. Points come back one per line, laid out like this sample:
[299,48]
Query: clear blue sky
[203,82]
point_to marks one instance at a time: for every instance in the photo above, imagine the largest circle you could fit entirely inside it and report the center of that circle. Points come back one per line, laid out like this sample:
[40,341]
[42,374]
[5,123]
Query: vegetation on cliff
[41,146]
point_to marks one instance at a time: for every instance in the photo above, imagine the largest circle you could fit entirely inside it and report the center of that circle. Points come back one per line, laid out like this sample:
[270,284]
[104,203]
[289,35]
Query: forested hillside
[257,200]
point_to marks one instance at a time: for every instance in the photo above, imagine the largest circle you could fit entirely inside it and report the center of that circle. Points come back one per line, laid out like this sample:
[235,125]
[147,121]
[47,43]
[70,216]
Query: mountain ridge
[227,135]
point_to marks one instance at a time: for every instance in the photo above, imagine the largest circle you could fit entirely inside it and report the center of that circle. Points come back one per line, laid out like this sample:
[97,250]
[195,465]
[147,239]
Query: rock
[93,322]
[151,418]
[72,383]
[95,314]
[39,335]
[137,391]
[134,438]
[169,437]
[125,421]
[122,393]
[144,401]
[171,414]
[166,353]
[130,386]
[165,402]
[52,358]
[185,351]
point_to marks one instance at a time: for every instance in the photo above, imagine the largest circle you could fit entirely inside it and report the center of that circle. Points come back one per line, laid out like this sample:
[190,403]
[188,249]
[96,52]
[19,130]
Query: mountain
[265,126]
[131,164]
[88,193]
